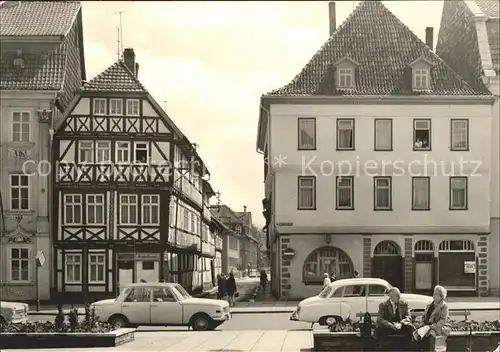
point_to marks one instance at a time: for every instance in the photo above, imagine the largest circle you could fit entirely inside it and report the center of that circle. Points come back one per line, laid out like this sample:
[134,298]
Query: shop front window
[326,260]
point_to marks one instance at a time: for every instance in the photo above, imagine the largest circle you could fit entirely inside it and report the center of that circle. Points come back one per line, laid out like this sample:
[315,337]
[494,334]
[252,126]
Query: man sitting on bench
[393,319]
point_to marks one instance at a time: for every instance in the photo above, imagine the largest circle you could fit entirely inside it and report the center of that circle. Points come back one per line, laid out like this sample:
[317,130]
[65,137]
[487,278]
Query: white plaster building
[475,55]
[377,98]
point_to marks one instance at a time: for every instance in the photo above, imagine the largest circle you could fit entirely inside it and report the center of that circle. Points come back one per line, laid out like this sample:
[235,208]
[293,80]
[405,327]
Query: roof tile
[37,18]
[384,47]
[116,78]
[41,71]
[490,8]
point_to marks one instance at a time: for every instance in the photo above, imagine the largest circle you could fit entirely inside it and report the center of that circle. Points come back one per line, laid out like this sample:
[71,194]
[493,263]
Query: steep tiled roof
[493,30]
[41,71]
[116,78]
[38,18]
[490,8]
[384,47]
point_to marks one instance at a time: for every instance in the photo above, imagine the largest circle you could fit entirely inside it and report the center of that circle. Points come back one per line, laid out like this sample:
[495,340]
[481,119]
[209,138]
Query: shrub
[59,320]
[73,319]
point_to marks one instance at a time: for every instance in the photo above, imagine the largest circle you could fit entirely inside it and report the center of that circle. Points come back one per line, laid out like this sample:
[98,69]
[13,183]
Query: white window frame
[419,76]
[129,107]
[20,187]
[119,151]
[380,138]
[11,279]
[147,202]
[312,188]
[345,78]
[69,200]
[303,124]
[428,128]
[95,204]
[116,110]
[135,152]
[128,202]
[98,108]
[378,187]
[93,260]
[466,191]
[339,129]
[414,191]
[457,129]
[103,147]
[185,222]
[21,123]
[337,192]
[80,148]
[68,262]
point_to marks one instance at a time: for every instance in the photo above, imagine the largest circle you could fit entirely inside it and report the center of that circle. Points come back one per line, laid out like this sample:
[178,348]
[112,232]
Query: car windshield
[326,292]
[182,293]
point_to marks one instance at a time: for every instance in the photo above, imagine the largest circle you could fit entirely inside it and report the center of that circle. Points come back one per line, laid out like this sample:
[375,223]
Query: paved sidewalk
[240,341]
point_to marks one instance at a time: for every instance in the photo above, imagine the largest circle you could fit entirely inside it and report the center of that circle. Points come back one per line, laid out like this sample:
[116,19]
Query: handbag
[236,294]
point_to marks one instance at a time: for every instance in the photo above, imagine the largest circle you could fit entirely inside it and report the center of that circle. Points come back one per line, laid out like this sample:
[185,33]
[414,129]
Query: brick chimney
[129,60]
[429,37]
[244,209]
[332,17]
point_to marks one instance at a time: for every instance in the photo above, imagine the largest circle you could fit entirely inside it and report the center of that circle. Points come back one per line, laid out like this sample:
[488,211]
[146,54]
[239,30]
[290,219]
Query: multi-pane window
[345,192]
[193,223]
[97,268]
[116,107]
[345,134]
[73,268]
[86,151]
[185,219]
[72,209]
[95,209]
[421,79]
[307,133]
[420,193]
[100,107]
[382,193]
[141,152]
[172,214]
[383,134]
[21,126]
[421,134]
[132,107]
[122,152]
[345,78]
[19,264]
[19,192]
[128,209]
[151,209]
[458,193]
[307,192]
[459,134]
[103,150]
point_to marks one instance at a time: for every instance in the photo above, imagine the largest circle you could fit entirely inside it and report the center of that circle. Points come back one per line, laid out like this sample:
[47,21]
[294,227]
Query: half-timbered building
[128,190]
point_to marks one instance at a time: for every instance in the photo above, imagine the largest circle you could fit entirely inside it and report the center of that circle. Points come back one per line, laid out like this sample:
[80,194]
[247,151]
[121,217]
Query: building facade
[41,64]
[376,163]
[469,41]
[128,202]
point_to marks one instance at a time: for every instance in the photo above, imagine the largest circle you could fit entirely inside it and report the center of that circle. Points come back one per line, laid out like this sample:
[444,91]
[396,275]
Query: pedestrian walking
[356,274]
[231,289]
[326,281]
[263,280]
[221,286]
[333,277]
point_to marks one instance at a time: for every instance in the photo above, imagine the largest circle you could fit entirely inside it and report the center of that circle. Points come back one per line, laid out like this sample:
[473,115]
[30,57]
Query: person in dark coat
[222,286]
[231,289]
[263,280]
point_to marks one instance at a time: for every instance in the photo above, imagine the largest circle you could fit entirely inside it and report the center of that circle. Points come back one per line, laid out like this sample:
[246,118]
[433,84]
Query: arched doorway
[457,265]
[424,266]
[326,260]
[388,263]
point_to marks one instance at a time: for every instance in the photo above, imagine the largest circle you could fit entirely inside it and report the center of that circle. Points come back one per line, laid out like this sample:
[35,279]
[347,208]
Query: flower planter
[32,340]
[458,341]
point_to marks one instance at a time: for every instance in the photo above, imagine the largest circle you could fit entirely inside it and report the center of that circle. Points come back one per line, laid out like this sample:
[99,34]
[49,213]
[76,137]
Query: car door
[376,295]
[137,306]
[353,301]
[165,308]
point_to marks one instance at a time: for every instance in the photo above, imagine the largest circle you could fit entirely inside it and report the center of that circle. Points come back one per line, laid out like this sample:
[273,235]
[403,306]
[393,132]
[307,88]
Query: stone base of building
[414,263]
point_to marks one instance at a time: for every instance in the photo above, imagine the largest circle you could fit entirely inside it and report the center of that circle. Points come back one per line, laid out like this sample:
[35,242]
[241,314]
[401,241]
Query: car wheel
[201,322]
[329,320]
[118,321]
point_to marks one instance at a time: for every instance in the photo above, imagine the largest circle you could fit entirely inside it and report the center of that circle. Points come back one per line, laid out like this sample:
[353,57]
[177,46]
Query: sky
[211,62]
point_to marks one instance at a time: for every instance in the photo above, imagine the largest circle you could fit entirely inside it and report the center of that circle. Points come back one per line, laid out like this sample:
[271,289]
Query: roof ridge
[109,80]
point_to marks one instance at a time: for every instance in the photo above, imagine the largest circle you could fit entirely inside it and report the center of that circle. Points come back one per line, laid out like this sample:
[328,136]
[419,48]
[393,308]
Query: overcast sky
[212,61]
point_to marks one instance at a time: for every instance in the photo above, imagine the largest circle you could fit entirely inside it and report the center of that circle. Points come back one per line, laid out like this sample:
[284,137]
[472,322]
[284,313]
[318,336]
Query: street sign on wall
[470,267]
[40,258]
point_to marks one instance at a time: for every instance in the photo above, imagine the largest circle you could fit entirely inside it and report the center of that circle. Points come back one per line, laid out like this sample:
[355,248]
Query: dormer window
[345,68]
[345,78]
[421,79]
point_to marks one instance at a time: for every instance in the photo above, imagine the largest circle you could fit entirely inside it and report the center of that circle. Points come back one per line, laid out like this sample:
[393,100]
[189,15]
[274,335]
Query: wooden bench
[452,313]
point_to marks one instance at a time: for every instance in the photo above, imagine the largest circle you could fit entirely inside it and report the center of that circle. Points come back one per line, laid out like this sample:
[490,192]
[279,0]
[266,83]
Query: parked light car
[344,299]
[13,312]
[166,304]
